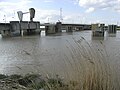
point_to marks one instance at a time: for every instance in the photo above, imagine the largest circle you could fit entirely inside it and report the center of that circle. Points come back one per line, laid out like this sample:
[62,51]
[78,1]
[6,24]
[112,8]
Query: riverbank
[77,58]
[31,82]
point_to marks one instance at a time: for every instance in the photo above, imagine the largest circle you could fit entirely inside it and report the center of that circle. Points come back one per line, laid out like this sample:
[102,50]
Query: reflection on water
[63,30]
[32,51]
[65,54]
[112,35]
[42,33]
[97,38]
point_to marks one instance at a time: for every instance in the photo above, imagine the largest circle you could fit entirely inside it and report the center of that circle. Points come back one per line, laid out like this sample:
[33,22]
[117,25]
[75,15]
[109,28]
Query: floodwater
[65,54]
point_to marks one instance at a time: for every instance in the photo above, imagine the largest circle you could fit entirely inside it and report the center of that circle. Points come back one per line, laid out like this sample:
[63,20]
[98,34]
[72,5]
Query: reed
[87,67]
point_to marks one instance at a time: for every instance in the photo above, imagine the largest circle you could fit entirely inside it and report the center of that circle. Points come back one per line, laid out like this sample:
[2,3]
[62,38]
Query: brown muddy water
[74,56]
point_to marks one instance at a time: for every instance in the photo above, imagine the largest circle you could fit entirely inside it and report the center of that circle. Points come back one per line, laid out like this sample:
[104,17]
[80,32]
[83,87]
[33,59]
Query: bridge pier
[25,27]
[50,29]
[112,29]
[69,29]
[5,33]
[5,29]
[98,31]
[58,27]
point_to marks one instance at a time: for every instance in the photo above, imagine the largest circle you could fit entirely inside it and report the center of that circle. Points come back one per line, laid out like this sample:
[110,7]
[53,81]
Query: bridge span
[22,27]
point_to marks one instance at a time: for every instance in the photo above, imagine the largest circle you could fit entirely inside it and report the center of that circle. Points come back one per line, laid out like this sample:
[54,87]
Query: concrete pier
[97,30]
[50,29]
[58,27]
[5,29]
[69,29]
[19,28]
[112,29]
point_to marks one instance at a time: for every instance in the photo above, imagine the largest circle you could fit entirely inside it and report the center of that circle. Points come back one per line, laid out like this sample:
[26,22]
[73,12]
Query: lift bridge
[59,27]
[20,27]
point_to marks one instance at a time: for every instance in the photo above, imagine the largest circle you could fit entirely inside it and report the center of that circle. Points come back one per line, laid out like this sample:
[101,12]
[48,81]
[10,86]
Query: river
[65,54]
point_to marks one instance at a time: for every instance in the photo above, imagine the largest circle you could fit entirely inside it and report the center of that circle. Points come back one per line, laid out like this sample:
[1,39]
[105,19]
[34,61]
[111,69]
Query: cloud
[74,18]
[89,10]
[99,4]
[48,1]
[46,15]
[9,9]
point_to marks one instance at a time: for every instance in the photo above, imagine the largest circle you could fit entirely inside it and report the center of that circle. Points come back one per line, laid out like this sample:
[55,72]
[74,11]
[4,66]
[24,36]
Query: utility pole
[48,20]
[4,18]
[117,23]
[13,14]
[61,18]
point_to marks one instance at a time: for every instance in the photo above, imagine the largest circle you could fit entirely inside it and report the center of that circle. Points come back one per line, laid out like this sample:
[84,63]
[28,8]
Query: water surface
[64,54]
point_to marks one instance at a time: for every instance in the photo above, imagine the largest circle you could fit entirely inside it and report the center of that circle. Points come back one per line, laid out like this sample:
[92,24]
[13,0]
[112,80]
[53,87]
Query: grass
[86,66]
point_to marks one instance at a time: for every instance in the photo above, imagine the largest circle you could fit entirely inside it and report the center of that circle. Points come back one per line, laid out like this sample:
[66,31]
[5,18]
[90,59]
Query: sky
[68,11]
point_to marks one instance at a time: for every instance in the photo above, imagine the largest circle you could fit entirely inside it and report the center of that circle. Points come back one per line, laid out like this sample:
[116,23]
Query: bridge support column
[22,33]
[67,28]
[50,29]
[70,29]
[58,27]
[5,33]
[112,29]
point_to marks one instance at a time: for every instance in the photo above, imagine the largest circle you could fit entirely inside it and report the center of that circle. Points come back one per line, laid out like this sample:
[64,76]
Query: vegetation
[90,66]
